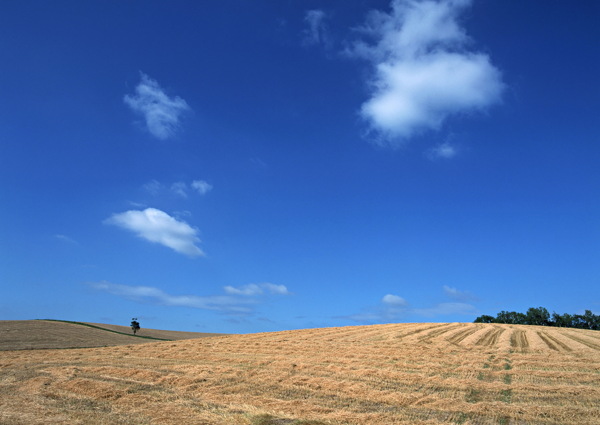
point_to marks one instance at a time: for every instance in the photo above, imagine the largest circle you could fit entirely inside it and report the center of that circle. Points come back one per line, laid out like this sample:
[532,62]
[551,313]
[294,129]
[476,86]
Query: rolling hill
[48,334]
[422,373]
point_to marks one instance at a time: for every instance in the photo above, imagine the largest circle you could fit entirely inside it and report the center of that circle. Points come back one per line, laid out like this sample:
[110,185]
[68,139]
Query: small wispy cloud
[446,309]
[246,290]
[394,300]
[66,239]
[276,289]
[457,295]
[153,187]
[442,151]
[254,289]
[158,296]
[161,112]
[423,72]
[201,186]
[159,227]
[393,307]
[316,31]
[236,300]
[180,188]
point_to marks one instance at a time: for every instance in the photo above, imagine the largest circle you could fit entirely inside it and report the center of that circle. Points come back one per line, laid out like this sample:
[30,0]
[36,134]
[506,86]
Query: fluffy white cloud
[157,226]
[160,111]
[201,186]
[315,31]
[422,72]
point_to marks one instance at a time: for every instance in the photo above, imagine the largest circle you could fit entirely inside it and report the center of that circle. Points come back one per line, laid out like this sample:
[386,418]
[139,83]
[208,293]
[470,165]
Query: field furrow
[433,334]
[416,334]
[457,337]
[553,343]
[490,338]
[585,341]
[518,340]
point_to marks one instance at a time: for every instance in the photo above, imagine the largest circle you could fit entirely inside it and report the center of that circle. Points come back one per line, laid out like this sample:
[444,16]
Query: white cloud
[180,189]
[160,111]
[458,295]
[66,239]
[157,226]
[246,290]
[201,186]
[236,301]
[153,187]
[394,307]
[151,294]
[253,289]
[442,151]
[316,30]
[390,308]
[275,289]
[422,72]
[394,300]
[445,309]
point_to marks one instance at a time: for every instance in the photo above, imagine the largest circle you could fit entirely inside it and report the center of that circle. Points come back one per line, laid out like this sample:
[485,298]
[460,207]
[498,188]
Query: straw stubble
[385,374]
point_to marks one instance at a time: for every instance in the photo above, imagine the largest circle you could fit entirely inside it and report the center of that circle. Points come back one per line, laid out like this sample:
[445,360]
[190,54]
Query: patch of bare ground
[376,375]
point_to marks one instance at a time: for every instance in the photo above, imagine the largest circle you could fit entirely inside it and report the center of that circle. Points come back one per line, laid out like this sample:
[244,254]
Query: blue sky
[234,166]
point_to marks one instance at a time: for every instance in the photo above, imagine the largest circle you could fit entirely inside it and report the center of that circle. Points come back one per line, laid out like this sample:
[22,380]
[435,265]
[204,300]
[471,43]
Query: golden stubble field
[453,373]
[44,334]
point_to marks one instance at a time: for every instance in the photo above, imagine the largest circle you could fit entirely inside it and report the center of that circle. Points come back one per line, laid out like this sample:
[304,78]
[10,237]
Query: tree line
[541,317]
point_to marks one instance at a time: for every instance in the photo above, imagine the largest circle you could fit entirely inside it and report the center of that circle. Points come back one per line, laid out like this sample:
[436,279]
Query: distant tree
[538,316]
[563,320]
[135,325]
[485,319]
[588,320]
[511,317]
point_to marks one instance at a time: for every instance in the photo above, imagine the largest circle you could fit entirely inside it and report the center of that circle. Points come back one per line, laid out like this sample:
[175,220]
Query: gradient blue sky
[235,166]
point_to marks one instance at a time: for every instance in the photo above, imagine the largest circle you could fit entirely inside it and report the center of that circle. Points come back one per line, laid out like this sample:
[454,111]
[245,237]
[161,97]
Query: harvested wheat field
[44,334]
[454,373]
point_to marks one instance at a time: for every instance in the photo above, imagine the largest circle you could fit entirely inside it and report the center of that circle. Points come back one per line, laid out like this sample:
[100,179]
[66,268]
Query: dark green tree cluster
[540,317]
